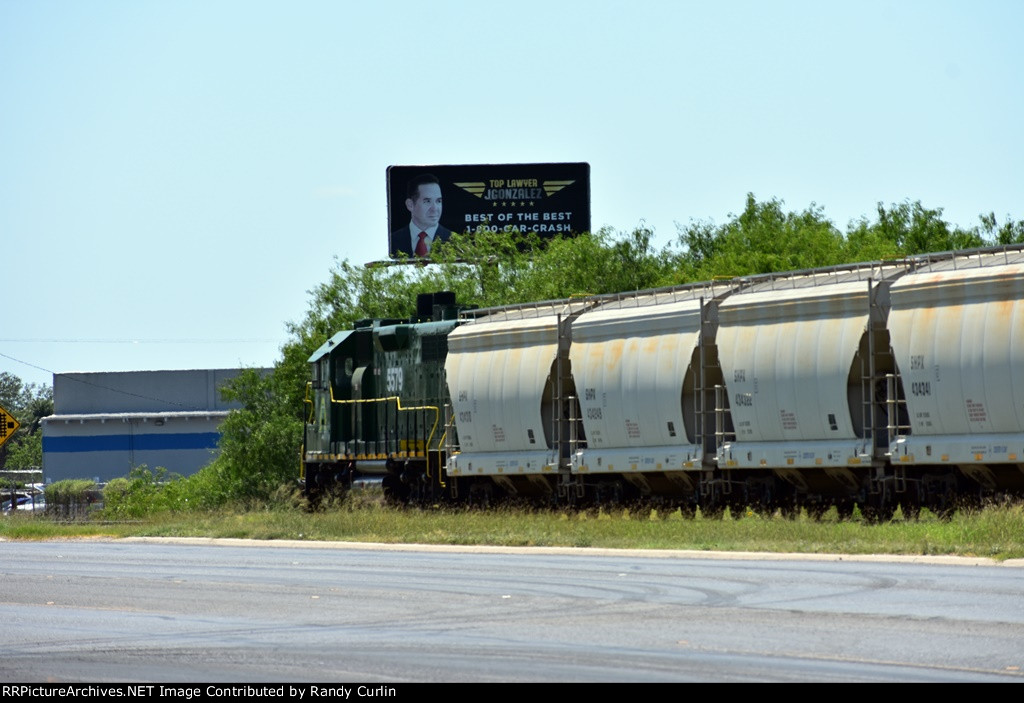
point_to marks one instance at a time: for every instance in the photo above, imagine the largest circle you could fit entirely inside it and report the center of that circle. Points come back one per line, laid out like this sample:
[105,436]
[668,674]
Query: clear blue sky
[176,175]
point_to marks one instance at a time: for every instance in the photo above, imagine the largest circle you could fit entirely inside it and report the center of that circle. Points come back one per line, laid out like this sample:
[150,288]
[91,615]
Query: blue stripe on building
[127,442]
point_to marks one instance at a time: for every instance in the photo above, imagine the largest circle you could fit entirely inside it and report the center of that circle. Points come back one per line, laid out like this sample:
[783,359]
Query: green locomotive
[376,405]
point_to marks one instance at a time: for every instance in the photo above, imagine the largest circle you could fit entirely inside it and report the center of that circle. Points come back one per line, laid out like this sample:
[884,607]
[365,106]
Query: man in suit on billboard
[423,200]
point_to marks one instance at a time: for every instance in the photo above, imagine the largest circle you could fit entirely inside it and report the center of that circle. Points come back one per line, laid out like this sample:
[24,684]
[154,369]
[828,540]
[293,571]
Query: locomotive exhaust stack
[876,384]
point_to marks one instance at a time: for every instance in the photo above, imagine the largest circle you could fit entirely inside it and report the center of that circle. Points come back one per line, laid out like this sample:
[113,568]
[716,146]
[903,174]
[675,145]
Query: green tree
[259,447]
[915,229]
[1010,232]
[763,238]
[24,452]
[29,404]
[260,442]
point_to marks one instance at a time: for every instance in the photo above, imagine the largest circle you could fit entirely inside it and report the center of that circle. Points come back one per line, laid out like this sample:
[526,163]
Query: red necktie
[421,246]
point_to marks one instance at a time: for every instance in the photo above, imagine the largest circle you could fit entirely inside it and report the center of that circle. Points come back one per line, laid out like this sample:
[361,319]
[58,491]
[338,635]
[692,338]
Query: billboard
[427,203]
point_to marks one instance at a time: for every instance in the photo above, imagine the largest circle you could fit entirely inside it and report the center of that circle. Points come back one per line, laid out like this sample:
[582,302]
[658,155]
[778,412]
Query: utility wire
[72,377]
[40,340]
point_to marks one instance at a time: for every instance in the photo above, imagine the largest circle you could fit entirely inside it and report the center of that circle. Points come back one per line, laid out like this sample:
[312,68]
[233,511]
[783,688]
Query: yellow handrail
[398,404]
[302,452]
[309,401]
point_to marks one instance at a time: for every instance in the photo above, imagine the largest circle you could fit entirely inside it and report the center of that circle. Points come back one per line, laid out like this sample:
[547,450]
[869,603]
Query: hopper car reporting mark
[875,384]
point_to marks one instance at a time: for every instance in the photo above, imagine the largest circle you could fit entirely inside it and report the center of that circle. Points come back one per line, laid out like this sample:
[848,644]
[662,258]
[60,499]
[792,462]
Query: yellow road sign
[7,425]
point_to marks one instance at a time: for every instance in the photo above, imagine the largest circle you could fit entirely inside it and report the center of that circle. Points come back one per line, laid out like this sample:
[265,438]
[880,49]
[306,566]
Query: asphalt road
[234,611]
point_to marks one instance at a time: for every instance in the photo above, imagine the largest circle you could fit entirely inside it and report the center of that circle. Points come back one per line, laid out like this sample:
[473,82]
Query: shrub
[141,493]
[71,497]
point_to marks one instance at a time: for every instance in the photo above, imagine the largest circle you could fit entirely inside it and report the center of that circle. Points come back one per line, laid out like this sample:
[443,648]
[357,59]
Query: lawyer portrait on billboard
[426,203]
[423,200]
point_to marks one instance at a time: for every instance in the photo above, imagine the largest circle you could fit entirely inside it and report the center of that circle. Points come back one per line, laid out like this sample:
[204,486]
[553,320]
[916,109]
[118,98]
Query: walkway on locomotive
[377,393]
[778,372]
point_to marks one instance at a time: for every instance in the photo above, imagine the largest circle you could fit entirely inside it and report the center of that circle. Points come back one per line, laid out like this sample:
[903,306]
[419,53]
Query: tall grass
[996,532]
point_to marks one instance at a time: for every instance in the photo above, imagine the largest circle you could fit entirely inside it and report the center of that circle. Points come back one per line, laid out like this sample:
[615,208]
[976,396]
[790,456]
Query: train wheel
[687,510]
[844,509]
[876,512]
[481,494]
[395,492]
[640,510]
[910,511]
[816,511]
[738,511]
[310,488]
[712,511]
[789,509]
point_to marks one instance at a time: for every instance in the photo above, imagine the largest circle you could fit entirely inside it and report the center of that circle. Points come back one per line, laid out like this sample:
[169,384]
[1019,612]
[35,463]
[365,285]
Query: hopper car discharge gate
[880,384]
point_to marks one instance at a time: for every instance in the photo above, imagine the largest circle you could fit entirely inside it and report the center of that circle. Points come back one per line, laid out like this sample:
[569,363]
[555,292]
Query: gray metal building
[105,424]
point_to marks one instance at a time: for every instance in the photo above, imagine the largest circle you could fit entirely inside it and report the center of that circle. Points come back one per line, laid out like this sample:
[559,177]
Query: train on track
[883,384]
